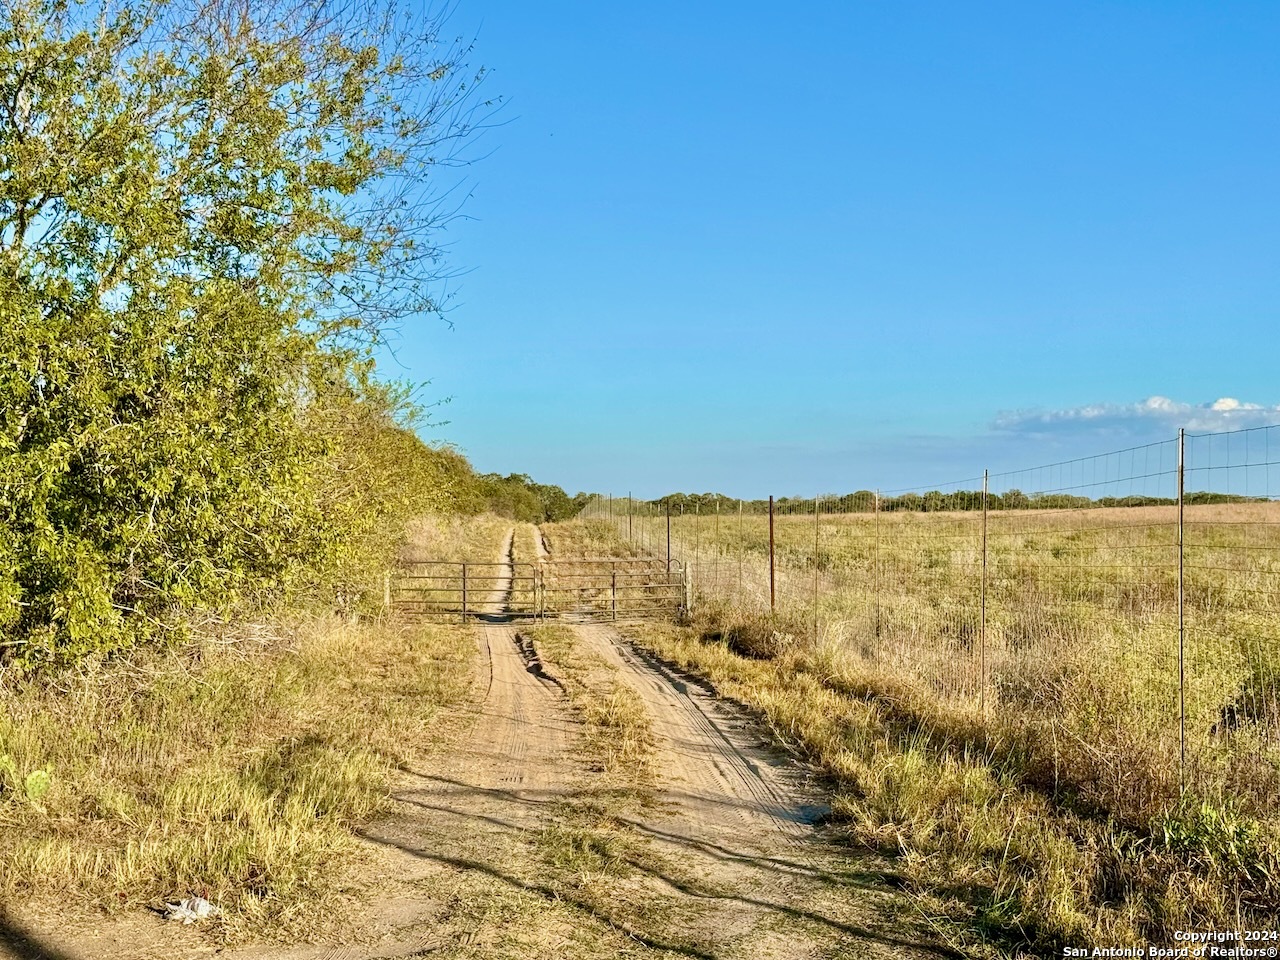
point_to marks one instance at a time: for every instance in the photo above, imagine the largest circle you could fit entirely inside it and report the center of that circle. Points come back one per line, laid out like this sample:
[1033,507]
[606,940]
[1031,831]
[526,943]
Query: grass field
[1080,629]
[429,577]
[591,572]
[1035,750]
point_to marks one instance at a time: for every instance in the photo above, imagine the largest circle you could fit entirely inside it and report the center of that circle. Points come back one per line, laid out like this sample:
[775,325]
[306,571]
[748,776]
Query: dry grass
[588,539]
[524,555]
[590,853]
[957,799]
[436,547]
[1049,808]
[1074,638]
[588,577]
[233,766]
[454,539]
[616,730]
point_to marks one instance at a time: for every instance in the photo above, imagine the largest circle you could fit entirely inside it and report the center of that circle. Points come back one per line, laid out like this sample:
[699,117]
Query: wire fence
[1123,608]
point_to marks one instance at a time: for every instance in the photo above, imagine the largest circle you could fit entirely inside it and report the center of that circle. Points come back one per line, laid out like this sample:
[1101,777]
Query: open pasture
[1053,625]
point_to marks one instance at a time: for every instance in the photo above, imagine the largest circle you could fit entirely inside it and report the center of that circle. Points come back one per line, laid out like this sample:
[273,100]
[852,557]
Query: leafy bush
[205,226]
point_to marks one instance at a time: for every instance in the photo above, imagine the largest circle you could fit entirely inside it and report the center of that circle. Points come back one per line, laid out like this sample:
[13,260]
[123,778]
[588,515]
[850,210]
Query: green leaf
[37,784]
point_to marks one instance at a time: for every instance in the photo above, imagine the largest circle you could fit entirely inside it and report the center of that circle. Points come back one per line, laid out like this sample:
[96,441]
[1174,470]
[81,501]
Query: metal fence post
[740,551]
[1182,623]
[698,533]
[876,508]
[816,508]
[719,587]
[613,588]
[982,668]
[464,592]
[668,536]
[772,593]
[630,510]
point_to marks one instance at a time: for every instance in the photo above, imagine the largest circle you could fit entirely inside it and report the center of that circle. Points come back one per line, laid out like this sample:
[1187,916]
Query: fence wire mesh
[1122,608]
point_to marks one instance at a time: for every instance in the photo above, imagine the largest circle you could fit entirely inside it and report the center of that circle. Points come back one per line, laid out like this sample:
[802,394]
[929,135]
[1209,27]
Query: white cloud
[1231,403]
[1145,416]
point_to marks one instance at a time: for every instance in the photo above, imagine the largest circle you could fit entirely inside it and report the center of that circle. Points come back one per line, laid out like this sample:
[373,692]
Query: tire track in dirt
[471,805]
[742,817]
[522,730]
[492,785]
[719,774]
[733,868]
[718,771]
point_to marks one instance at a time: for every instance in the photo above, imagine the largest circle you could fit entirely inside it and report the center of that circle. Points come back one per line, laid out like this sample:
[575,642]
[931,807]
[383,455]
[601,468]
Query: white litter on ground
[191,910]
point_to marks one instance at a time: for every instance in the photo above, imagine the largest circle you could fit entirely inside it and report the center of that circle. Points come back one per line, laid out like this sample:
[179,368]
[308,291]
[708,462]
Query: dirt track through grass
[599,804]
[739,821]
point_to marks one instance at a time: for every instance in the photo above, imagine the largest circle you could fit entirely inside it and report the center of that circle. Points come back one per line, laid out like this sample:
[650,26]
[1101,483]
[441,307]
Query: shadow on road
[17,944]
[457,793]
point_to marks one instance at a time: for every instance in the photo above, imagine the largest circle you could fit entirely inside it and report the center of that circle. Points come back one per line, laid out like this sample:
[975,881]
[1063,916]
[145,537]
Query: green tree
[209,213]
[1014,499]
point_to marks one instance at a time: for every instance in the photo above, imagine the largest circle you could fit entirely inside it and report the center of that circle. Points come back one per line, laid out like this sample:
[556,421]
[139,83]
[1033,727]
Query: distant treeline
[517,497]
[933,501]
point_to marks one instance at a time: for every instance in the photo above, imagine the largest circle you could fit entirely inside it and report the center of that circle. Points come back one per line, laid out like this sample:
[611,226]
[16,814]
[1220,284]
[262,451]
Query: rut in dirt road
[737,860]
[741,816]
[522,732]
[718,772]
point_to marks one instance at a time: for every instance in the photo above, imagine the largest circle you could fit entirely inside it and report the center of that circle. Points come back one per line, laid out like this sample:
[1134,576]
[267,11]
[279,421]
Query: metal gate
[605,589]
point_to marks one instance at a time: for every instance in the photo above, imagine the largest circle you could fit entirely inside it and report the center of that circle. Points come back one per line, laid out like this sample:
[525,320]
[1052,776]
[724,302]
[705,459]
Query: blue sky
[762,248]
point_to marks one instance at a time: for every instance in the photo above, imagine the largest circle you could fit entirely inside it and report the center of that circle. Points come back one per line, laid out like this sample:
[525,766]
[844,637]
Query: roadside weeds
[1000,867]
[232,768]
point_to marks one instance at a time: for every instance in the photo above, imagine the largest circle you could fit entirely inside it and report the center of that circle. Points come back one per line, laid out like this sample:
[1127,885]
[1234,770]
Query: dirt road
[515,843]
[741,823]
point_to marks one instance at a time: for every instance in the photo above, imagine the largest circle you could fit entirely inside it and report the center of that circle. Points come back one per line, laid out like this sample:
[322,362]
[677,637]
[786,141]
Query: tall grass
[524,554]
[454,539]
[1038,771]
[232,765]
[1071,630]
[588,539]
[587,576]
